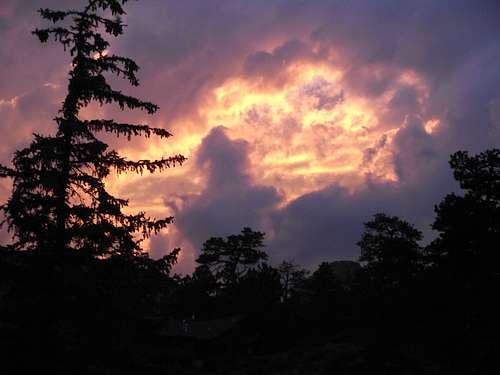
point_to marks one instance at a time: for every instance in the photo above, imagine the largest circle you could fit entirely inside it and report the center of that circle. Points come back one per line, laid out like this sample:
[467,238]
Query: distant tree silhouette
[258,288]
[195,294]
[346,271]
[390,247]
[325,297]
[59,198]
[292,276]
[469,225]
[230,259]
[324,281]
[204,280]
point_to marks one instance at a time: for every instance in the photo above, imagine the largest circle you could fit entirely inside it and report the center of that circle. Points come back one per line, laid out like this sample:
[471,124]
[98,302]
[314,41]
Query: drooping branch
[127,130]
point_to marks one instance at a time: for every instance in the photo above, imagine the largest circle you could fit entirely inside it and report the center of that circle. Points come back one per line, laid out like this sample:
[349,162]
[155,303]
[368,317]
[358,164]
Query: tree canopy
[230,259]
[469,224]
[390,247]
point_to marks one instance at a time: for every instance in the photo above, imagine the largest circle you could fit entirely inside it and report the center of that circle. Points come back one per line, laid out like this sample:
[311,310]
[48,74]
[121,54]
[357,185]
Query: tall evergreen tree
[59,199]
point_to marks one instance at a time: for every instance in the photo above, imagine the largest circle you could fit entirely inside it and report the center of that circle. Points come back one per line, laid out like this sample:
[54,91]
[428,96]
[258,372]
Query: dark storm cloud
[431,36]
[270,66]
[229,201]
[468,96]
[371,152]
[414,151]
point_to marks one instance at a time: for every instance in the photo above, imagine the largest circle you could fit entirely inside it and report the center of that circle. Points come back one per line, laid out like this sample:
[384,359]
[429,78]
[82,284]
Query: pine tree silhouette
[59,199]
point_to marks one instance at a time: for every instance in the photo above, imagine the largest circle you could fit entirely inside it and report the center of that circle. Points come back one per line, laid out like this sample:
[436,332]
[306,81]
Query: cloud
[270,67]
[24,115]
[229,201]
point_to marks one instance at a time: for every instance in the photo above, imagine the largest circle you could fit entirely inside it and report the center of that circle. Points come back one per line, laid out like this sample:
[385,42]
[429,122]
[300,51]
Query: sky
[299,118]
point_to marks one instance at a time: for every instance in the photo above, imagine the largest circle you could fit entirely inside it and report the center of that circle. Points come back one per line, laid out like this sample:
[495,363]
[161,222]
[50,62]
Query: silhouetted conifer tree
[259,288]
[59,199]
[390,247]
[469,224]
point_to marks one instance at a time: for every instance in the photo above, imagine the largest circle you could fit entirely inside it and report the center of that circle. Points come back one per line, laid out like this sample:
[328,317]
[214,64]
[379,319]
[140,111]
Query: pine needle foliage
[59,198]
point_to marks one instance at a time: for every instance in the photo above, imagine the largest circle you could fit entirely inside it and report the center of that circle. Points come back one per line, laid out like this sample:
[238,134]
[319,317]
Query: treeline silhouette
[79,295]
[403,308]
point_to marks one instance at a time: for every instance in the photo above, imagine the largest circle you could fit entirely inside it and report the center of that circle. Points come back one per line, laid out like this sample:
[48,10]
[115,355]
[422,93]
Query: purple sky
[299,118]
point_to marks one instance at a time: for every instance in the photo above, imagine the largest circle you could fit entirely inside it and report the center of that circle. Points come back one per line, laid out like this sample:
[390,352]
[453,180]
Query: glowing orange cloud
[308,133]
[304,134]
[431,126]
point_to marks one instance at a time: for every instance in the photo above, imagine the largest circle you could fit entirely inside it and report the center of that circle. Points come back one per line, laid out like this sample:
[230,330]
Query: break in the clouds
[299,118]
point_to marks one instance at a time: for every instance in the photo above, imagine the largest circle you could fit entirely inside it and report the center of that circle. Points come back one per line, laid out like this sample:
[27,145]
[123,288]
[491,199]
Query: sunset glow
[308,129]
[279,109]
[304,135]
